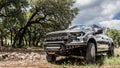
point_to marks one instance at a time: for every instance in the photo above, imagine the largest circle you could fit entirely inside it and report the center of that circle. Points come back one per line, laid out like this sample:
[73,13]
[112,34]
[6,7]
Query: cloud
[83,2]
[113,24]
[95,11]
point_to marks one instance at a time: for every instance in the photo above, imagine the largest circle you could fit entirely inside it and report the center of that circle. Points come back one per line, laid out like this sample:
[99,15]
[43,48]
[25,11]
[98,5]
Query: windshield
[81,27]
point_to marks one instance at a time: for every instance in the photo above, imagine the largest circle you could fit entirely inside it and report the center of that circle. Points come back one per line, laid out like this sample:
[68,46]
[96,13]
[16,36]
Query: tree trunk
[19,37]
[37,41]
[1,38]
[11,36]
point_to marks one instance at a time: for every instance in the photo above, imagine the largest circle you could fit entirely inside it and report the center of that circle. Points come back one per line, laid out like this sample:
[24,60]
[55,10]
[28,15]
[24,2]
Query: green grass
[111,61]
[101,62]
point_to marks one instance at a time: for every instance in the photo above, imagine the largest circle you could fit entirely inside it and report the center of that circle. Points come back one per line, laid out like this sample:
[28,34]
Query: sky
[103,12]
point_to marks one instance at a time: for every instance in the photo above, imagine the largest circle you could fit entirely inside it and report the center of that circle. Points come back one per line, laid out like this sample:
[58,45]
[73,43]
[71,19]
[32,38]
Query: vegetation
[103,62]
[115,35]
[25,22]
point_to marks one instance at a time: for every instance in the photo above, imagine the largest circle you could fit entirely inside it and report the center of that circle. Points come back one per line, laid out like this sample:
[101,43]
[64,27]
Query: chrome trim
[52,47]
[83,43]
[53,42]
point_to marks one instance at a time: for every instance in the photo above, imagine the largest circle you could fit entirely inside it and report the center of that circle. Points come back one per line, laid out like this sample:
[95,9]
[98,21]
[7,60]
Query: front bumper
[61,46]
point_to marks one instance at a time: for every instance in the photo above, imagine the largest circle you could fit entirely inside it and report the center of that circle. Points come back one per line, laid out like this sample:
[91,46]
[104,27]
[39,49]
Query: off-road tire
[50,58]
[91,53]
[111,51]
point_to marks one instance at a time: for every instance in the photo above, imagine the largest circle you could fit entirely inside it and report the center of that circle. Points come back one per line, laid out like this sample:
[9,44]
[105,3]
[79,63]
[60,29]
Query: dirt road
[33,58]
[23,58]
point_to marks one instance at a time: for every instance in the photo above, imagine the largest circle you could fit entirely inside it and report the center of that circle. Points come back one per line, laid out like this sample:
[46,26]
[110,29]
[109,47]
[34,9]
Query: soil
[31,58]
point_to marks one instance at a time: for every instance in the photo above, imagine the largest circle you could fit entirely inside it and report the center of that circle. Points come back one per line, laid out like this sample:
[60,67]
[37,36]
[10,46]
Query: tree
[11,13]
[49,14]
[115,35]
[25,22]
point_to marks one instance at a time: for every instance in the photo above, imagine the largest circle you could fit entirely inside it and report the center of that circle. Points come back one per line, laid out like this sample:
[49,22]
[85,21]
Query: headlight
[77,37]
[82,34]
[81,39]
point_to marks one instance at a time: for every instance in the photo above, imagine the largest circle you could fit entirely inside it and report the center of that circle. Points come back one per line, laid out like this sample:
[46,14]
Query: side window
[97,36]
[88,28]
[98,27]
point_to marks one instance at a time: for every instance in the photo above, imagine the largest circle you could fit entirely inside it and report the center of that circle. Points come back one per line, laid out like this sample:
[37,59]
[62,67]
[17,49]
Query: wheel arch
[93,40]
[111,43]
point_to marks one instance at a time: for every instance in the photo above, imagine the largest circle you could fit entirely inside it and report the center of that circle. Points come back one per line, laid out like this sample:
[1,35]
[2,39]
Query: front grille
[57,37]
[66,37]
[57,34]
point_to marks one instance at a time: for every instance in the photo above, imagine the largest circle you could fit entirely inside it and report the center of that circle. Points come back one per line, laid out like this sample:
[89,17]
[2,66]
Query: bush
[115,35]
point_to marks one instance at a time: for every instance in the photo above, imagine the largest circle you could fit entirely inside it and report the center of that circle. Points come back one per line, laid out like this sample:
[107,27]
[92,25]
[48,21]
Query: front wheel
[50,58]
[91,53]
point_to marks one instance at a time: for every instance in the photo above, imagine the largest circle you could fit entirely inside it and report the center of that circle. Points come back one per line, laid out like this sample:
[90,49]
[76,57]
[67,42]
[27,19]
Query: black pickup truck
[81,40]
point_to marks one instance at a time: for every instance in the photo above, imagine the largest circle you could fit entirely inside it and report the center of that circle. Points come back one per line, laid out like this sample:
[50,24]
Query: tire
[50,58]
[91,53]
[111,50]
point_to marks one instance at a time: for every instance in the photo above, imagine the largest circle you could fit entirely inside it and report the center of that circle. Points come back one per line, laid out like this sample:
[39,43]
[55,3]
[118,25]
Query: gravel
[19,56]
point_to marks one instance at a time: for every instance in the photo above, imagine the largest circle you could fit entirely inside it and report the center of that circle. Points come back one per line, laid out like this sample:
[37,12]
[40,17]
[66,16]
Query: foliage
[25,22]
[115,35]
[11,17]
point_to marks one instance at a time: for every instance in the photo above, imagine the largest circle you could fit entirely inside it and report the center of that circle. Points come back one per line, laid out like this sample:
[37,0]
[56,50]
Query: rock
[22,57]
[12,57]
[32,54]
[14,53]
[27,56]
[37,56]
[6,59]
[4,56]
[1,57]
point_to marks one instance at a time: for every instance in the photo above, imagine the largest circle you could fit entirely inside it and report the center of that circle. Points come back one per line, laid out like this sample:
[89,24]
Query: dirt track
[23,58]
[32,58]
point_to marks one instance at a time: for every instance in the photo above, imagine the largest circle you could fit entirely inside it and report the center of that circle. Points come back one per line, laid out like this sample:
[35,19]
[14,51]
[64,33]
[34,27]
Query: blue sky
[117,16]
[103,12]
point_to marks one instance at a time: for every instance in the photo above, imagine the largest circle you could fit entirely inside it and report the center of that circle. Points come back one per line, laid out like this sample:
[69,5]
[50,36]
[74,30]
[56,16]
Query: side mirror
[98,31]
